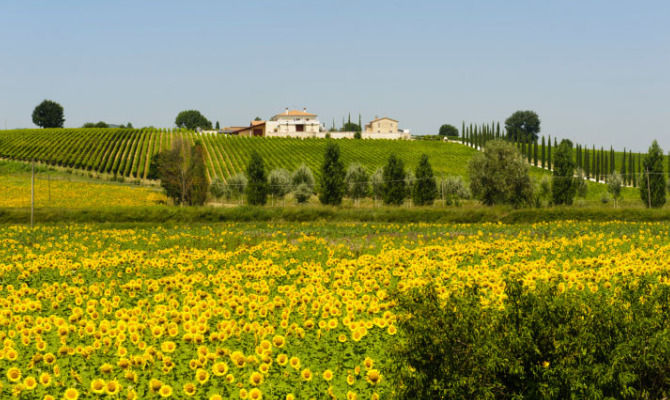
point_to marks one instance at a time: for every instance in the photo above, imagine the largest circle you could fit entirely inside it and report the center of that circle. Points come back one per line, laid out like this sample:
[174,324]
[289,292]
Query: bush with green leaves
[181,171]
[217,188]
[357,182]
[543,192]
[302,193]
[614,185]
[257,185]
[454,189]
[377,184]
[546,342]
[279,183]
[424,188]
[331,185]
[499,175]
[302,181]
[237,186]
[395,181]
[563,188]
[652,182]
[581,184]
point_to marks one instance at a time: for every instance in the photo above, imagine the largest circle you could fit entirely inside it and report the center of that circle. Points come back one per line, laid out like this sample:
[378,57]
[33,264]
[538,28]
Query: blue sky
[595,71]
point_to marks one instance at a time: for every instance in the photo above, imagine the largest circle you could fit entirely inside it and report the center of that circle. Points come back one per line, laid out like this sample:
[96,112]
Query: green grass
[126,152]
[473,214]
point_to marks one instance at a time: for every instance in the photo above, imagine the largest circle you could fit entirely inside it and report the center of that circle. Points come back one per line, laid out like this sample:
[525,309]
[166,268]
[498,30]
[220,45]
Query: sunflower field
[273,311]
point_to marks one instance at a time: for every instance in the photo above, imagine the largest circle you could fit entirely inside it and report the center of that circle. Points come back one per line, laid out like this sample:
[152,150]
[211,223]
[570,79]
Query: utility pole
[32,194]
[648,189]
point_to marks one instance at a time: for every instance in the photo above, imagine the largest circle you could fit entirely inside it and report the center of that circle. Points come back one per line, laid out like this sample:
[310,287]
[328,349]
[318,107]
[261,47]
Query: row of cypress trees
[332,186]
[596,164]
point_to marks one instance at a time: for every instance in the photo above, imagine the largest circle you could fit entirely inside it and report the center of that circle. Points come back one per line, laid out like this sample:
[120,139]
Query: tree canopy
[394,187]
[257,186]
[332,176]
[523,126]
[424,190]
[563,188]
[48,114]
[499,175]
[652,183]
[192,119]
[448,130]
[100,124]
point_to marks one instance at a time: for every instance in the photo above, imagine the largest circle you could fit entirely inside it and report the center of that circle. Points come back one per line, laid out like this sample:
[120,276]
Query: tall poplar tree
[257,181]
[332,185]
[652,184]
[394,190]
[424,191]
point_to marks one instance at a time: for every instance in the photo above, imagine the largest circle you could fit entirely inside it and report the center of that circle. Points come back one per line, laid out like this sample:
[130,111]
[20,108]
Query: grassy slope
[108,151]
[61,190]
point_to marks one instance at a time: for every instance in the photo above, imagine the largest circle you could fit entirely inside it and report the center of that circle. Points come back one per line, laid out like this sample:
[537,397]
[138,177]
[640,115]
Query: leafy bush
[302,193]
[237,186]
[217,188]
[581,186]
[424,189]
[652,182]
[394,185]
[332,186]
[357,182]
[454,189]
[279,183]
[257,182]
[499,175]
[547,342]
[614,185]
[563,183]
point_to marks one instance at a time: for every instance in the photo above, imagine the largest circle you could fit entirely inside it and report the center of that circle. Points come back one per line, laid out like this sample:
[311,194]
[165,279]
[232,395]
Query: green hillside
[127,152]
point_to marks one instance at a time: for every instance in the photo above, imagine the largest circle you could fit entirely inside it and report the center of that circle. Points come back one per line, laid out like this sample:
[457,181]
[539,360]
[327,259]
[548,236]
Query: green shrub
[543,343]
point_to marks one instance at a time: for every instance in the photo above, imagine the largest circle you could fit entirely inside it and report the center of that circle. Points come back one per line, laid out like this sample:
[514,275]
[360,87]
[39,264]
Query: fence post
[32,193]
[648,190]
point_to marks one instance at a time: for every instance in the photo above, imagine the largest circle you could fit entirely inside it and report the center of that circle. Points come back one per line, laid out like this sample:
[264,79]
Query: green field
[127,153]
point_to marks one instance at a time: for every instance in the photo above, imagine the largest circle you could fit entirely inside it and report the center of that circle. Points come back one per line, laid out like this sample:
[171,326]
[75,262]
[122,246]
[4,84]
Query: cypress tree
[498,130]
[462,128]
[577,157]
[631,166]
[197,192]
[622,168]
[394,190]
[612,161]
[424,191]
[549,153]
[332,186]
[587,164]
[257,181]
[563,187]
[544,152]
[535,152]
[594,159]
[598,160]
[652,185]
[638,172]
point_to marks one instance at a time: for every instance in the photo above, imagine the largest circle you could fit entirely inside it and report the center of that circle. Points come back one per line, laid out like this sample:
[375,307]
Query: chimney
[286,110]
[304,109]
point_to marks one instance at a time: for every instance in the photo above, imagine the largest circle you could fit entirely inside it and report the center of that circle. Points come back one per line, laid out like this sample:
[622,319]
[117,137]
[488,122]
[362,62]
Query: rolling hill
[128,152]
